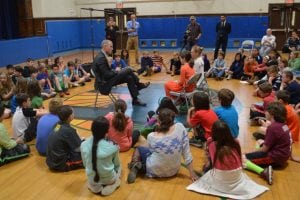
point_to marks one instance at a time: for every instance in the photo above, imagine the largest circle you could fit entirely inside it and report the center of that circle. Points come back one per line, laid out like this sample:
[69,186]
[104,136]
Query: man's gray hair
[105,42]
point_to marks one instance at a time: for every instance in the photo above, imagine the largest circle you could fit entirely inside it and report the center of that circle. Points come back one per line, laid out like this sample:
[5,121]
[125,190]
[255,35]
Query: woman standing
[111,32]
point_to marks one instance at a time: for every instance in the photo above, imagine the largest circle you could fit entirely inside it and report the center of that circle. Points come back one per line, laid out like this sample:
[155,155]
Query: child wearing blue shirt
[219,66]
[227,112]
[118,63]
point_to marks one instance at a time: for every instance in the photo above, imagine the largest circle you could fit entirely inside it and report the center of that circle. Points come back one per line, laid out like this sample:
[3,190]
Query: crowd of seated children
[73,75]
[152,116]
[46,124]
[10,149]
[118,63]
[24,120]
[227,112]
[63,148]
[81,71]
[292,119]
[160,155]
[258,110]
[292,86]
[158,63]
[101,160]
[201,118]
[121,127]
[146,64]
[236,69]
[224,162]
[45,83]
[175,64]
[275,149]
[186,72]
[125,56]
[219,67]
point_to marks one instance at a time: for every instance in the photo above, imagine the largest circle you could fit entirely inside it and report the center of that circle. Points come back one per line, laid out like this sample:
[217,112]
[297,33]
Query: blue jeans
[219,73]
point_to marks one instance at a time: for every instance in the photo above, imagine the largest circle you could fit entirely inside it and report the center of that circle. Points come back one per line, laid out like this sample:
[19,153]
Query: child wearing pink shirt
[121,127]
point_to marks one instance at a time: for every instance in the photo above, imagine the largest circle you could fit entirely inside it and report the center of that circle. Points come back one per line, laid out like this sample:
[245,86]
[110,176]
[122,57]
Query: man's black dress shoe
[138,102]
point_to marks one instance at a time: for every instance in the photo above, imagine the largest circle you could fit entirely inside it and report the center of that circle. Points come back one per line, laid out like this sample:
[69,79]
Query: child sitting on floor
[161,156]
[59,81]
[158,63]
[118,64]
[73,76]
[219,67]
[10,149]
[101,159]
[258,111]
[276,148]
[121,127]
[201,118]
[24,121]
[225,178]
[175,64]
[63,149]
[227,111]
[236,69]
[34,93]
[146,64]
[45,83]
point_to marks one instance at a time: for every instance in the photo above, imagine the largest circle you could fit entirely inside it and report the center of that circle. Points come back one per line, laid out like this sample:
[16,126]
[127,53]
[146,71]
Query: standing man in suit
[106,77]
[111,32]
[223,28]
[133,41]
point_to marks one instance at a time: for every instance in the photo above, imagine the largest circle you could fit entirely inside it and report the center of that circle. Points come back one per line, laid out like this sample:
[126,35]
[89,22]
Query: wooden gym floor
[30,178]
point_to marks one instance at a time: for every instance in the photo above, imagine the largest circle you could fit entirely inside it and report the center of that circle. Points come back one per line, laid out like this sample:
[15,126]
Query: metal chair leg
[96,99]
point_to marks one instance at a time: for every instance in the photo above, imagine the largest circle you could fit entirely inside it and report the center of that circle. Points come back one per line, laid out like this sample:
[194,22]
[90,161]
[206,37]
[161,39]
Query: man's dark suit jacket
[103,73]
[223,31]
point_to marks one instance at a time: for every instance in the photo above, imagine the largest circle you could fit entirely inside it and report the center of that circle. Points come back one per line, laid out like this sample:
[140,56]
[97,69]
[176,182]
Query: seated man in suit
[106,77]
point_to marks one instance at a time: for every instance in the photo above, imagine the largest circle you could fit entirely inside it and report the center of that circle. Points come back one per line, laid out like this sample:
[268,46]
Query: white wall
[69,8]
[54,8]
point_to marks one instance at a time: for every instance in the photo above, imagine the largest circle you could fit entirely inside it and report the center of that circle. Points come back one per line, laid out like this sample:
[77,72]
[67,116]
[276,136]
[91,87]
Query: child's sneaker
[67,92]
[258,136]
[134,169]
[267,174]
[61,94]
[108,189]
[196,142]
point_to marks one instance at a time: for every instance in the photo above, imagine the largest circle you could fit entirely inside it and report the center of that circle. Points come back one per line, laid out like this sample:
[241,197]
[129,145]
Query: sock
[253,167]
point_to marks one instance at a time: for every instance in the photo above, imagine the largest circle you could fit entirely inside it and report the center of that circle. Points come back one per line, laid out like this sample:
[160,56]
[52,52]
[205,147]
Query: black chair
[102,90]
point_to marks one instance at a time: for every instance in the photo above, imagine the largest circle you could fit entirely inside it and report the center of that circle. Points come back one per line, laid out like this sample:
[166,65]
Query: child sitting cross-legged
[73,75]
[59,81]
[146,64]
[101,159]
[10,149]
[225,177]
[219,67]
[201,118]
[161,155]
[63,149]
[118,64]
[276,148]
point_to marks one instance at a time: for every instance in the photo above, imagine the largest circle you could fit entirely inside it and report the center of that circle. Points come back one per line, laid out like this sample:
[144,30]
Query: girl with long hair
[121,127]
[225,178]
[101,159]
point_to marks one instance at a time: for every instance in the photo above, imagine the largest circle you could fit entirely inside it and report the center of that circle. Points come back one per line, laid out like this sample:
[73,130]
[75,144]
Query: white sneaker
[244,82]
[109,189]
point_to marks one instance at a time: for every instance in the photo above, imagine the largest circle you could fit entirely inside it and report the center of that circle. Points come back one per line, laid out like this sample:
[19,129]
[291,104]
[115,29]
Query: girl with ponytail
[101,159]
[121,127]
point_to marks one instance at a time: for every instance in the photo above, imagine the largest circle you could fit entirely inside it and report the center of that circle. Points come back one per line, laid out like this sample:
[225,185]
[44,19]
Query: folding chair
[248,45]
[202,85]
[183,93]
[100,91]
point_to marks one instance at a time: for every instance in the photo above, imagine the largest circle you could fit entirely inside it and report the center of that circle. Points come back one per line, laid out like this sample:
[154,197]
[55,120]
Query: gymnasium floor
[30,178]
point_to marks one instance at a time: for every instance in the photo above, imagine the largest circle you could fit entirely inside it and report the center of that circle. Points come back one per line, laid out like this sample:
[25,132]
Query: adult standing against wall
[111,32]
[193,33]
[133,41]
[223,29]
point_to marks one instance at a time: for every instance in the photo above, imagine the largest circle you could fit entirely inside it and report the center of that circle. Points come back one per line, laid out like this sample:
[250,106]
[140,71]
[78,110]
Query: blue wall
[65,35]
[17,51]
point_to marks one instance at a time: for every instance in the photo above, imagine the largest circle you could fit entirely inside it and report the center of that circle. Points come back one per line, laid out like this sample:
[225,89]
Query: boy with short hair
[158,63]
[10,149]
[146,64]
[63,149]
[118,63]
[73,76]
[46,124]
[24,121]
[292,86]
[258,111]
[276,148]
[227,111]
[59,81]
[17,74]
